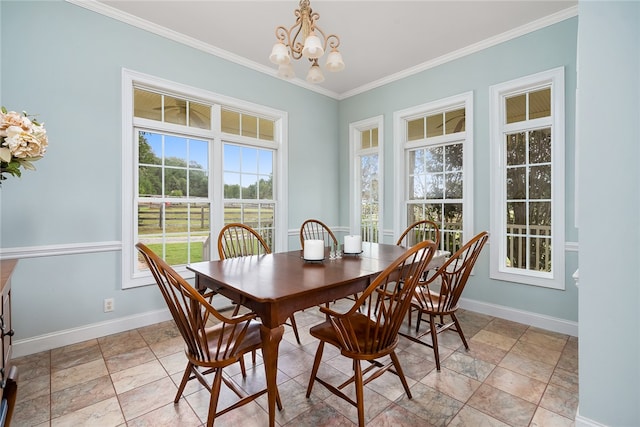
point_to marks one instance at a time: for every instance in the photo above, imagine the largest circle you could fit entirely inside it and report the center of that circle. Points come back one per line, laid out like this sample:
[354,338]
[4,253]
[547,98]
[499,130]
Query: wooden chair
[450,280]
[369,330]
[419,231]
[236,240]
[312,229]
[212,341]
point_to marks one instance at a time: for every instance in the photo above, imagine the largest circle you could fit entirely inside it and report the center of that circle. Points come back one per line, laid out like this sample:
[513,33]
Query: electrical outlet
[108,305]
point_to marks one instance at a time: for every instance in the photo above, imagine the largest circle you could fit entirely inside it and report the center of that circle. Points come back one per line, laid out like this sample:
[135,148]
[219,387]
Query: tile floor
[513,375]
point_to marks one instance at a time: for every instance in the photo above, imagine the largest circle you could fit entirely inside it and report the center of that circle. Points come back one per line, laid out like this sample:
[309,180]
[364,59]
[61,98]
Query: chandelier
[305,39]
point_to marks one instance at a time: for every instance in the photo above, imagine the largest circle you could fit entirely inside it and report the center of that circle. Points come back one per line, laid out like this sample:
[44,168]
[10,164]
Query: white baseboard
[585,422]
[528,318]
[96,330]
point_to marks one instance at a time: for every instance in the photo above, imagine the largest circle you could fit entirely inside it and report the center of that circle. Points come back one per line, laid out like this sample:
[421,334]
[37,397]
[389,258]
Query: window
[434,152]
[527,200]
[192,162]
[366,173]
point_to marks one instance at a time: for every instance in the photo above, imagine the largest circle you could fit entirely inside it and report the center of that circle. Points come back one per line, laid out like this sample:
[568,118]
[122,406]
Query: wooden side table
[8,372]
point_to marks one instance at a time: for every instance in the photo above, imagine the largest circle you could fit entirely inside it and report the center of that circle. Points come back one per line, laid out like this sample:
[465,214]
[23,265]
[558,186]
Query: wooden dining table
[276,285]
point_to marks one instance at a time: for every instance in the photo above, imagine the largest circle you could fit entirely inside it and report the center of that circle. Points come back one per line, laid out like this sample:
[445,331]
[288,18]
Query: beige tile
[147,398]
[469,416]
[33,365]
[78,374]
[496,340]
[544,418]
[565,379]
[502,406]
[137,376]
[517,384]
[452,383]
[548,340]
[80,396]
[536,352]
[435,407]
[33,388]
[167,347]
[129,358]
[32,412]
[531,368]
[104,414]
[76,354]
[560,401]
[169,415]
[467,365]
[395,416]
[174,363]
[159,332]
[121,343]
[506,327]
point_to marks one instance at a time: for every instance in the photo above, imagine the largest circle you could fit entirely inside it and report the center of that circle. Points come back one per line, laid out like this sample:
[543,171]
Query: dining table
[276,285]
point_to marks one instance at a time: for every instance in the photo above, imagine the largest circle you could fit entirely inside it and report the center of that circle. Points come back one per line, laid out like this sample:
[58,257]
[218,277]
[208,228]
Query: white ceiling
[380,40]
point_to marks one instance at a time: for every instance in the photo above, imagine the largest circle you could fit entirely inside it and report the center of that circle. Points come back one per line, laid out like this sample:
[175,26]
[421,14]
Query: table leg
[271,340]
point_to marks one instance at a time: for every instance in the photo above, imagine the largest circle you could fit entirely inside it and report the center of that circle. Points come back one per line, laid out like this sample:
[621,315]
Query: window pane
[265,162]
[199,154]
[249,126]
[540,218]
[266,129]
[199,115]
[175,182]
[230,122]
[516,149]
[198,183]
[231,158]
[434,161]
[250,215]
[540,182]
[149,181]
[417,187]
[453,185]
[453,216]
[415,129]
[434,125]
[516,187]
[540,103]
[453,157]
[365,139]
[149,218]
[455,121]
[249,159]
[540,254]
[516,108]
[416,161]
[175,110]
[231,185]
[249,186]
[516,248]
[374,137]
[232,212]
[516,217]
[540,146]
[147,105]
[149,148]
[175,151]
[434,186]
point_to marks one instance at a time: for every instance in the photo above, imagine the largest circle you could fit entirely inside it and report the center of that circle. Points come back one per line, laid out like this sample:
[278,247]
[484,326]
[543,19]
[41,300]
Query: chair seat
[252,340]
[360,324]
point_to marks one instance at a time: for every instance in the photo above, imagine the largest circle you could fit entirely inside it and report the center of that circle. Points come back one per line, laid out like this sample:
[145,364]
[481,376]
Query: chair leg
[215,393]
[459,330]
[400,373]
[359,393]
[418,321]
[183,383]
[434,339]
[242,368]
[316,365]
[295,328]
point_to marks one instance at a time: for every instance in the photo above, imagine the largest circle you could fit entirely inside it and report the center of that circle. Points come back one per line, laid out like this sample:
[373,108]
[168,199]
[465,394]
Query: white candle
[352,244]
[313,250]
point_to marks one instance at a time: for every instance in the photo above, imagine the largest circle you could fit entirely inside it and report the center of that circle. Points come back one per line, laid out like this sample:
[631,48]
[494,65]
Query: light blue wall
[551,47]
[64,63]
[609,204]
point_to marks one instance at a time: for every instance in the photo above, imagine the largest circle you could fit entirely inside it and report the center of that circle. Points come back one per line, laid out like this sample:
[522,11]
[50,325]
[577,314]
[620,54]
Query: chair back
[312,229]
[419,231]
[236,240]
[370,327]
[452,277]
[211,343]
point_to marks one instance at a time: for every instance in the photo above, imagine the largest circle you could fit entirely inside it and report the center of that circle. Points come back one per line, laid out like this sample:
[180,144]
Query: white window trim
[354,171]
[401,145]
[498,269]
[130,279]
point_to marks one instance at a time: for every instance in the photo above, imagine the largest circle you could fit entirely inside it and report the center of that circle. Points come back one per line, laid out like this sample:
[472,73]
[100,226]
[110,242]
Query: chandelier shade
[305,39]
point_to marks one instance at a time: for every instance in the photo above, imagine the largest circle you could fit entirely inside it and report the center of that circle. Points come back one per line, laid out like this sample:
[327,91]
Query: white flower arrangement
[22,141]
